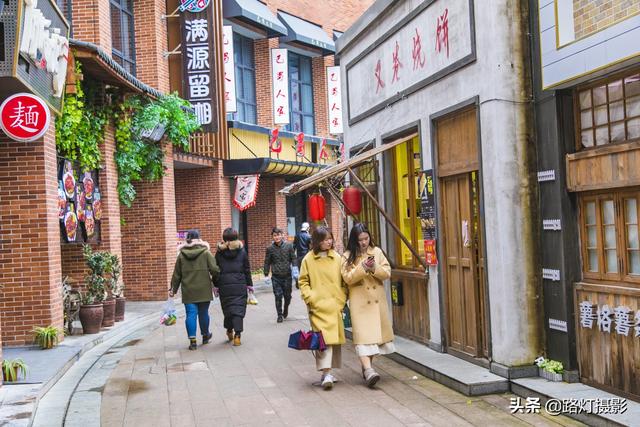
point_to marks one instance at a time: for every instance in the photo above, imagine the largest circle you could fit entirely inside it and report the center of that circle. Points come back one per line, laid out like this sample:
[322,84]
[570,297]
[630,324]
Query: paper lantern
[352,198]
[316,207]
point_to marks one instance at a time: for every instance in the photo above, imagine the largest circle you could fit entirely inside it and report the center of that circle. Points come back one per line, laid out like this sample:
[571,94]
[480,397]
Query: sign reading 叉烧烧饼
[24,117]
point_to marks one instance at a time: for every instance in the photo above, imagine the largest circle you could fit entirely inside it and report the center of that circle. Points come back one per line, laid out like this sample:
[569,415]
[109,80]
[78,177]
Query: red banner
[275,145]
[430,252]
[300,145]
[246,191]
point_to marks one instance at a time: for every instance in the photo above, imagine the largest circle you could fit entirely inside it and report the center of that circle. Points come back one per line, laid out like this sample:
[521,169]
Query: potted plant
[116,286]
[12,368]
[550,369]
[99,265]
[91,309]
[46,337]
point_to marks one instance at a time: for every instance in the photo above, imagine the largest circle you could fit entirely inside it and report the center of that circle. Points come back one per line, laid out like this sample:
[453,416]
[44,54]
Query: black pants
[233,322]
[281,289]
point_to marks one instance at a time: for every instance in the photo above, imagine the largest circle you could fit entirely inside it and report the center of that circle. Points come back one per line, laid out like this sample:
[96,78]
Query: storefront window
[301,96]
[122,34]
[407,165]
[609,112]
[245,79]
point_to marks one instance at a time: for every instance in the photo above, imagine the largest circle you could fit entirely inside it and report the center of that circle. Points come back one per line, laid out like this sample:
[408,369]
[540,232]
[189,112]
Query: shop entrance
[463,263]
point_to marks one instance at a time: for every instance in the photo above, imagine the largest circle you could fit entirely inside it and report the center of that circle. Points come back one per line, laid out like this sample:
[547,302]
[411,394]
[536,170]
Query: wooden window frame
[622,250]
[577,111]
[120,57]
[293,112]
[242,101]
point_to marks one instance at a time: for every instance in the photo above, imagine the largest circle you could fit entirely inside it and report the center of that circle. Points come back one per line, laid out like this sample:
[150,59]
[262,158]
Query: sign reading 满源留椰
[431,42]
[35,49]
[198,58]
[280,78]
[24,117]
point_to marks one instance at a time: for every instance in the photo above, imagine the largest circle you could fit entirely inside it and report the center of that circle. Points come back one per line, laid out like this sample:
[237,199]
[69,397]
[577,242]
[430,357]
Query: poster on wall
[427,205]
[280,79]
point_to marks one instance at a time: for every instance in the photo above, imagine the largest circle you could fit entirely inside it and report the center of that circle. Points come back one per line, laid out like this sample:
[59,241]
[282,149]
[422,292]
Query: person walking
[195,271]
[364,268]
[301,244]
[233,283]
[324,294]
[278,259]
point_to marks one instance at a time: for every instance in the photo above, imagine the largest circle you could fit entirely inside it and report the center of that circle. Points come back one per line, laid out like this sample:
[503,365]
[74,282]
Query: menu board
[79,203]
[427,205]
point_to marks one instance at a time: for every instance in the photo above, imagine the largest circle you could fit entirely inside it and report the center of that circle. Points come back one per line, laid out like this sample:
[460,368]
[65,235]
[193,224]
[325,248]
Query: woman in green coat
[322,290]
[195,270]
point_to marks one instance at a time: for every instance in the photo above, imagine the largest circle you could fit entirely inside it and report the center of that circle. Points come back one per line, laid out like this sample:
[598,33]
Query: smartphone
[370,259]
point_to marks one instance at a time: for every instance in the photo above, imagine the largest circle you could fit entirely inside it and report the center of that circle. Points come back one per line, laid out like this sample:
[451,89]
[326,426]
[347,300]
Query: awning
[269,167]
[255,13]
[98,64]
[306,33]
[337,34]
[343,167]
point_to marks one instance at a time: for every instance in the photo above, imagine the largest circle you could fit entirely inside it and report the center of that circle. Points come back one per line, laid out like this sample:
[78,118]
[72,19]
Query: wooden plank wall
[611,166]
[411,320]
[608,360]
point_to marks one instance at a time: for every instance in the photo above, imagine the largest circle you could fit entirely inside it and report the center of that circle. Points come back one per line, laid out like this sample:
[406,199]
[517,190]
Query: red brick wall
[29,238]
[151,43]
[203,201]
[320,103]
[262,54]
[92,22]
[331,14]
[270,211]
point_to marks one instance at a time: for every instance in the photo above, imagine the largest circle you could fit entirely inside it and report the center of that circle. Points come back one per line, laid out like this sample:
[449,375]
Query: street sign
[24,117]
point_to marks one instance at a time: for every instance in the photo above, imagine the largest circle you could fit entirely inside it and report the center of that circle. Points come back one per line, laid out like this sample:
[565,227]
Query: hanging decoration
[352,198]
[324,155]
[316,207]
[342,152]
[246,191]
[275,145]
[300,145]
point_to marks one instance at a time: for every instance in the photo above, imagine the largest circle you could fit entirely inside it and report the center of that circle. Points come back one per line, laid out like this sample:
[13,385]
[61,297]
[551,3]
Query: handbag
[310,340]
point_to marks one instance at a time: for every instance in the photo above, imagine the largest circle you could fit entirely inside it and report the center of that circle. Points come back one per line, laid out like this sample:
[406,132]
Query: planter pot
[120,302]
[91,318]
[551,376]
[109,317]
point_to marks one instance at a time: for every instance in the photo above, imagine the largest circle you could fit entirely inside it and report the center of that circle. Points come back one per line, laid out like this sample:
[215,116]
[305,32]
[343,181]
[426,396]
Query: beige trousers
[330,358]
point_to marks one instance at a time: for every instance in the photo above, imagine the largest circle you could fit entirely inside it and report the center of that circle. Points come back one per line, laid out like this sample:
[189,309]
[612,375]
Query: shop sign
[229,70]
[193,5]
[427,205]
[334,96]
[430,252]
[280,79]
[24,117]
[198,59]
[246,191]
[622,319]
[36,50]
[431,42]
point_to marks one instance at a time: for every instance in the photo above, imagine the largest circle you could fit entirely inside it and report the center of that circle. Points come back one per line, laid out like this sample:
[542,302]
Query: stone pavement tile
[502,401]
[477,412]
[435,413]
[250,410]
[290,414]
[369,415]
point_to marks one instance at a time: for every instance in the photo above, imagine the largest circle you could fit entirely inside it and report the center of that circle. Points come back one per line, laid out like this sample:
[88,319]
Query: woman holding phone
[364,268]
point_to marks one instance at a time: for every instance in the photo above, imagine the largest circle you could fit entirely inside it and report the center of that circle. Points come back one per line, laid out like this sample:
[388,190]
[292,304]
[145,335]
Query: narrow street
[158,382]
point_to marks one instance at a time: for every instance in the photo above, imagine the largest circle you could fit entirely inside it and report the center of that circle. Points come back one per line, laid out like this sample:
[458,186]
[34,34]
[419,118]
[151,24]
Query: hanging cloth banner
[300,145]
[275,145]
[323,150]
[280,79]
[246,191]
[342,159]
[230,100]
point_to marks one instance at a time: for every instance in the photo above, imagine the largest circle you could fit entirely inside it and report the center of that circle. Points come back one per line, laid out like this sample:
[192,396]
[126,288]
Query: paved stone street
[158,382]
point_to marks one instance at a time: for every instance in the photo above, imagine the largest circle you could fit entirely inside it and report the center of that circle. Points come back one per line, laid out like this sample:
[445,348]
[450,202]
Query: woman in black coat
[233,283]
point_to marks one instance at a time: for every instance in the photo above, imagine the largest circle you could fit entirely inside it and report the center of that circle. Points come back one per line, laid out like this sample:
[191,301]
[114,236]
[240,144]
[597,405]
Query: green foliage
[46,337]
[11,369]
[98,263]
[549,365]
[80,129]
[138,159]
[114,268]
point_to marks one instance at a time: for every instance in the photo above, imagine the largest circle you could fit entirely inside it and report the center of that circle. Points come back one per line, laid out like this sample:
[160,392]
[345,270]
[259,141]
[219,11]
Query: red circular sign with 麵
[24,117]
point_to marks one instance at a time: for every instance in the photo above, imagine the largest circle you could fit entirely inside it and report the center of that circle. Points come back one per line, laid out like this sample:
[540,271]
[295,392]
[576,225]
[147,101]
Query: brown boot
[230,335]
[236,340]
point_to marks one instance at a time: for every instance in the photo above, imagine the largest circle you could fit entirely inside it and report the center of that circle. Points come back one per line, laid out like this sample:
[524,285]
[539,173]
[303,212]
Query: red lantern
[316,207]
[352,198]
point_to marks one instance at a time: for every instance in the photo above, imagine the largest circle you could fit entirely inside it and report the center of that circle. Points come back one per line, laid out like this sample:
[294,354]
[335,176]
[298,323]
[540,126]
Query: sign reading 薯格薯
[198,58]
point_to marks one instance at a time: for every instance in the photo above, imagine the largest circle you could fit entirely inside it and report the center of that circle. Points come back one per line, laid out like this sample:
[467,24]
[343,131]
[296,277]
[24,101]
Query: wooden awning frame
[347,167]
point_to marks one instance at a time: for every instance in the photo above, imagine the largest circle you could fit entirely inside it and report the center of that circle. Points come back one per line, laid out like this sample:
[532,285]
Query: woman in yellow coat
[364,268]
[323,292]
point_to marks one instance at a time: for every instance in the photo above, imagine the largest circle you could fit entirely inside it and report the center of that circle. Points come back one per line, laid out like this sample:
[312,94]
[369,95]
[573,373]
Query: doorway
[462,231]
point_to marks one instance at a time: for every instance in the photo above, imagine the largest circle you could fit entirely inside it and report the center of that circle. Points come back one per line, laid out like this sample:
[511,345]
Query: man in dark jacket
[233,283]
[195,271]
[301,244]
[278,259]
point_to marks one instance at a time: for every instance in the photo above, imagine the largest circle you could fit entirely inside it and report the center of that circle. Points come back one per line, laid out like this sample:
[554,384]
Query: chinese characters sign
[335,100]
[198,58]
[280,78]
[622,320]
[427,46]
[229,70]
[246,191]
[24,117]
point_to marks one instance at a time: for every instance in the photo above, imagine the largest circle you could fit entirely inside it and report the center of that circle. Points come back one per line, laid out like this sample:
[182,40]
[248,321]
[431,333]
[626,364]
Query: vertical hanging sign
[335,100]
[280,78]
[229,70]
[198,59]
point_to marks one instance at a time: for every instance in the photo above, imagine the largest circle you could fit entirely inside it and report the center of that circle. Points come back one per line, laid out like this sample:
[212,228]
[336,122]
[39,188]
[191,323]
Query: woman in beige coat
[364,268]
[322,290]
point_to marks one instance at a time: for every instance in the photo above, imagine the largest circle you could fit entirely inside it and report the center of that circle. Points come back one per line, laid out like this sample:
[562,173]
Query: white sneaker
[327,382]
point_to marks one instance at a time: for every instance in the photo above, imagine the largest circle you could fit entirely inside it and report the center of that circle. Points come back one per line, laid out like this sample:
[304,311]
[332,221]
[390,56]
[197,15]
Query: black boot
[285,312]
[193,344]
[279,308]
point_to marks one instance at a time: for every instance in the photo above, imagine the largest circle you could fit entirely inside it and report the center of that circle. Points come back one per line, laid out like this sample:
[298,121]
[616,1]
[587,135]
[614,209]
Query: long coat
[367,298]
[235,276]
[322,290]
[195,271]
